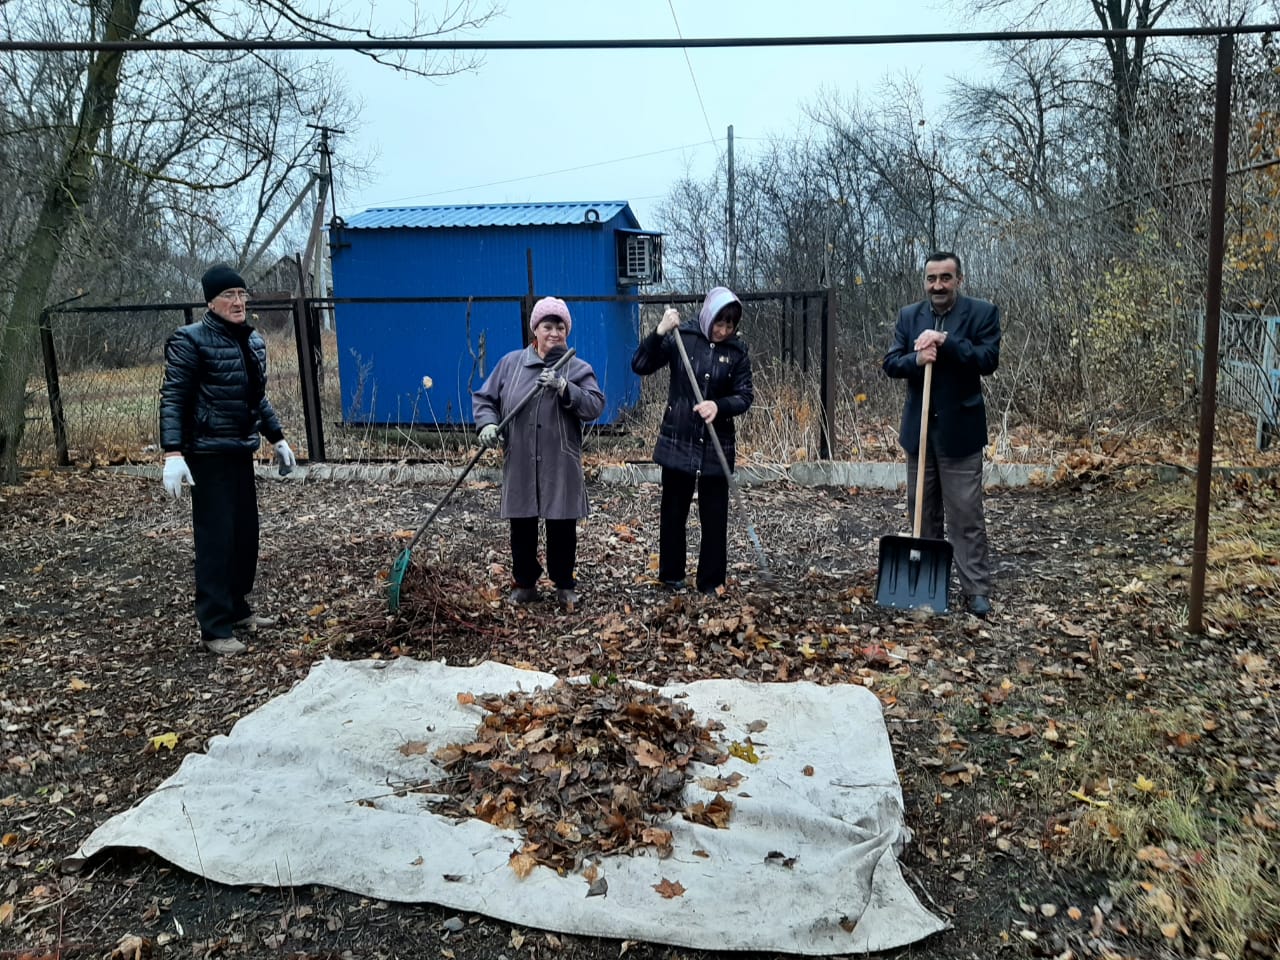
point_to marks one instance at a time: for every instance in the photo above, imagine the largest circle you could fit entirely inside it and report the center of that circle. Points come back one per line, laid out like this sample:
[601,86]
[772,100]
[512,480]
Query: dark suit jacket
[958,416]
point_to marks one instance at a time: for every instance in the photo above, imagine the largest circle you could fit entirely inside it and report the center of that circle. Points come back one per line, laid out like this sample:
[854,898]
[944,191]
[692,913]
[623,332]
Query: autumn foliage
[580,770]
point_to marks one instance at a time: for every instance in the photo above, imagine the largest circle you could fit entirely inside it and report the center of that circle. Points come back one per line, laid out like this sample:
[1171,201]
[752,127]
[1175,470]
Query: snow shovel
[401,566]
[915,573]
[724,462]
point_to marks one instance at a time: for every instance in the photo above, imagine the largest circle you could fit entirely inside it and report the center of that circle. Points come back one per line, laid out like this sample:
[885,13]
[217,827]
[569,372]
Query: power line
[689,63]
[548,173]
[373,44]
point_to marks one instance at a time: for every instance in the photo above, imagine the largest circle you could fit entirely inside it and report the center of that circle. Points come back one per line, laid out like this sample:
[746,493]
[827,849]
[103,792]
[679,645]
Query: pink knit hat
[550,307]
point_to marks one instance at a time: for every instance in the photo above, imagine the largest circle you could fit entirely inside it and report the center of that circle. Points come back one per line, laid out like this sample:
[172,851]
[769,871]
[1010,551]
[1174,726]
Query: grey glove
[549,378]
[489,436]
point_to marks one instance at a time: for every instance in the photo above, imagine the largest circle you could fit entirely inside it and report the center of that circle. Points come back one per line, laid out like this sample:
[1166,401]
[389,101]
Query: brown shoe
[567,597]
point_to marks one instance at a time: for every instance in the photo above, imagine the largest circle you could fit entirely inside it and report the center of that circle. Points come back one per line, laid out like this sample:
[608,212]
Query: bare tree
[85,124]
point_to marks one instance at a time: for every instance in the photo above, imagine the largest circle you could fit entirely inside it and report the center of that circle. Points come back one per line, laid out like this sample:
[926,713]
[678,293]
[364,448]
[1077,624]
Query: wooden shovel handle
[922,451]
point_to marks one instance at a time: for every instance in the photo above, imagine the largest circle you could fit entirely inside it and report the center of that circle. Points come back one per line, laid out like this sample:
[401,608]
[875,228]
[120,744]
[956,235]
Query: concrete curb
[867,476]
[874,476]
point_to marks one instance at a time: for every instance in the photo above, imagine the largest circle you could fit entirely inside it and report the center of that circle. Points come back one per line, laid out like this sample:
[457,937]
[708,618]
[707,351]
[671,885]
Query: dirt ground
[96,658]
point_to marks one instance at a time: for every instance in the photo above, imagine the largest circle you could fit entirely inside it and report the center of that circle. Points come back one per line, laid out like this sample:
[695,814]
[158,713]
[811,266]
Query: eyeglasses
[233,295]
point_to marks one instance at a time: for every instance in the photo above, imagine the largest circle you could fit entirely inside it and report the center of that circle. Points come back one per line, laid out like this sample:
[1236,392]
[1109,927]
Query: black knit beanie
[218,278]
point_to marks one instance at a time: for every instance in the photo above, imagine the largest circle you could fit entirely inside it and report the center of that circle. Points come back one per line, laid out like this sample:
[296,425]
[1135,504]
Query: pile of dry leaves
[580,769]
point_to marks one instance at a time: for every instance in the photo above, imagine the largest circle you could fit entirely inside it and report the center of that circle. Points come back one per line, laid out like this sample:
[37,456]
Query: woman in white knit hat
[722,364]
[542,463]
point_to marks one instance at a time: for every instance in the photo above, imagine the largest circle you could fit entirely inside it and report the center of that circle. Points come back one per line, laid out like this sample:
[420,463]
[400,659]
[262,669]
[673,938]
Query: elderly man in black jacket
[960,336]
[213,404]
[722,365]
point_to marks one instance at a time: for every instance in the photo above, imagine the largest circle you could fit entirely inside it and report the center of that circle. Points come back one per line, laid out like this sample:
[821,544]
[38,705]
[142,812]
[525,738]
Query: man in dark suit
[960,336]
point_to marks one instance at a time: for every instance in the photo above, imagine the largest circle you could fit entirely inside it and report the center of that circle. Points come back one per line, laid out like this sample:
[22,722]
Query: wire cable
[548,173]
[692,77]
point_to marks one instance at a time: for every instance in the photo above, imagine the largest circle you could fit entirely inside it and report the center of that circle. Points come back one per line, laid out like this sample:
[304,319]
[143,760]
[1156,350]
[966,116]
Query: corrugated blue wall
[385,350]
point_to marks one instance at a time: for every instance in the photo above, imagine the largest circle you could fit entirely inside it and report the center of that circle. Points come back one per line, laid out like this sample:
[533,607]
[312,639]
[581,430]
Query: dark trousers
[562,551]
[224,518]
[953,501]
[713,515]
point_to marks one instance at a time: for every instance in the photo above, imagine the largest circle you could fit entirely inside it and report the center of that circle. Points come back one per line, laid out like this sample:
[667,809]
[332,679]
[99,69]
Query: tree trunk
[67,191]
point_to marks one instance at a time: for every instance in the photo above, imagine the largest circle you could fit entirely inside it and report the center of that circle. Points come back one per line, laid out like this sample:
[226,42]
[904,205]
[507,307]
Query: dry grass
[1151,810]
[111,417]
[1202,874]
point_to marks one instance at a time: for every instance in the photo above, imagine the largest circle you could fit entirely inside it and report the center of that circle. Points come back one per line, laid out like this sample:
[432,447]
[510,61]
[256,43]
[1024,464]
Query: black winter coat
[211,400]
[724,375]
[957,415]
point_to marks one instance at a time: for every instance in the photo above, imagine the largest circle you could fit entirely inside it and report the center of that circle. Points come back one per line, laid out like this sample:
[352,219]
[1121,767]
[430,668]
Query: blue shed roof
[494,215]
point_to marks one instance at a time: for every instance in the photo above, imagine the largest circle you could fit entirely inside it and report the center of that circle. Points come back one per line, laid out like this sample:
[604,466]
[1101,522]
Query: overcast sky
[623,124]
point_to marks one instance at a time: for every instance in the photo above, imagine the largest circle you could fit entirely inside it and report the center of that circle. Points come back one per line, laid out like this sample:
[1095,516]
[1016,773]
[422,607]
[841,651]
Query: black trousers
[224,518]
[713,515]
[562,551]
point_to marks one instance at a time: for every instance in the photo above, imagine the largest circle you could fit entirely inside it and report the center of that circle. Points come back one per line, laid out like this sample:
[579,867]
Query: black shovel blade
[914,574]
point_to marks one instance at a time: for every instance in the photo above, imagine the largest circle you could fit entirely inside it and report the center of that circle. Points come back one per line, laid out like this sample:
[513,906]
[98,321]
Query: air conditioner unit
[639,258]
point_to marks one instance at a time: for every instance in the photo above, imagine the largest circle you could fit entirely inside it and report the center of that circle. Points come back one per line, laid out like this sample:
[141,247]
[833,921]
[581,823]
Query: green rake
[401,567]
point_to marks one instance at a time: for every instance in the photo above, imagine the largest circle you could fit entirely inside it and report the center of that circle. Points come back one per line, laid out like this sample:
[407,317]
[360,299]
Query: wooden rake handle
[922,451]
[697,396]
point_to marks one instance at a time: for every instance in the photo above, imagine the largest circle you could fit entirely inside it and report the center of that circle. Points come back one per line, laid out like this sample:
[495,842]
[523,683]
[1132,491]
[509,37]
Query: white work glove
[670,320]
[489,437]
[284,457]
[175,471]
[549,378]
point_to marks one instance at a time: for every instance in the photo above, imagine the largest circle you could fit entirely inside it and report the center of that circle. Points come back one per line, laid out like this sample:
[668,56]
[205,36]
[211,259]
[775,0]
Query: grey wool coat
[542,449]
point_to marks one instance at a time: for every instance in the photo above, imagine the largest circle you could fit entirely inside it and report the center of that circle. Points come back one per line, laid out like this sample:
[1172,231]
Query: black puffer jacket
[724,375]
[213,396]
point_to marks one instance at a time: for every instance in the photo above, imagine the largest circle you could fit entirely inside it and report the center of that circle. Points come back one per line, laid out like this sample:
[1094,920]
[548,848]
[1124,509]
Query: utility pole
[731,220]
[313,259]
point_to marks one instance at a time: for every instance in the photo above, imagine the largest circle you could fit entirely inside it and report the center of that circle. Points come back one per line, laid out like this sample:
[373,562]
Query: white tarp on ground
[301,792]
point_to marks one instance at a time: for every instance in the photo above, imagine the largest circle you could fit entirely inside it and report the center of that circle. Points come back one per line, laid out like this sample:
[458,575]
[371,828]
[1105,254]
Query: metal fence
[98,401]
[1248,377]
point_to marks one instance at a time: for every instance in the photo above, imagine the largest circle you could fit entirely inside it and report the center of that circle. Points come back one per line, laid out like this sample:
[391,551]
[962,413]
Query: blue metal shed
[479,250]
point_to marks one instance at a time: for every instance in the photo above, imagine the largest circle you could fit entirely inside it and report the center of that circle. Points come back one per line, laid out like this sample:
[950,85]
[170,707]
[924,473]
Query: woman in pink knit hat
[542,462]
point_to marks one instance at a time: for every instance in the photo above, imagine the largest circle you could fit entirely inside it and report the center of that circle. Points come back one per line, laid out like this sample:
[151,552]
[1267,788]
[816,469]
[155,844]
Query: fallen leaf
[745,751]
[656,836]
[169,740]
[648,755]
[131,947]
[522,864]
[669,889]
